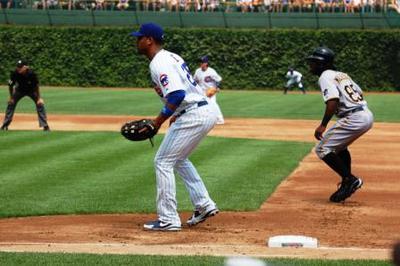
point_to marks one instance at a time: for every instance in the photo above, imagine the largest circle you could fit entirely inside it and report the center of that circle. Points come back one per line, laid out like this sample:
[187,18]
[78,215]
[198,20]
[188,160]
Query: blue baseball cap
[150,30]
[204,59]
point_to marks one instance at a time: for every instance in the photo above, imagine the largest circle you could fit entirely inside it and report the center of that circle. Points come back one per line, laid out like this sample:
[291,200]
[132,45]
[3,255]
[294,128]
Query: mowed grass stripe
[109,103]
[258,170]
[41,150]
[143,260]
[255,104]
[77,171]
[100,101]
[270,104]
[89,172]
[27,148]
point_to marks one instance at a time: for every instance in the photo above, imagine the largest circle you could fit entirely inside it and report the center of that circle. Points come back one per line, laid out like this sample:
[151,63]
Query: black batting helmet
[21,63]
[322,55]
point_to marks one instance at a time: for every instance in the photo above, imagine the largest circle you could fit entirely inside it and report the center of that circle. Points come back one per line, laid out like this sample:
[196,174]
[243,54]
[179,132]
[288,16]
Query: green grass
[91,259]
[255,104]
[100,172]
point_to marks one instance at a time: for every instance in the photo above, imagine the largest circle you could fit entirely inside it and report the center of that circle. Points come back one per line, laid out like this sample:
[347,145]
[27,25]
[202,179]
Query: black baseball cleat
[4,127]
[346,189]
[46,128]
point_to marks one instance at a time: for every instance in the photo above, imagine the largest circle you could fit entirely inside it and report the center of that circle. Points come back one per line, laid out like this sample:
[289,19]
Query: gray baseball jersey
[354,117]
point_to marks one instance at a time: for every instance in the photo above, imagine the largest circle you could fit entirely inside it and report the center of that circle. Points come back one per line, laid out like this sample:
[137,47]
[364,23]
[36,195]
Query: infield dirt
[365,226]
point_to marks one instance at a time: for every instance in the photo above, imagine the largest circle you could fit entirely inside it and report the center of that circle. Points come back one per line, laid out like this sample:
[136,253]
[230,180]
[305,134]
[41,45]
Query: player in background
[207,78]
[343,98]
[294,78]
[191,120]
[24,82]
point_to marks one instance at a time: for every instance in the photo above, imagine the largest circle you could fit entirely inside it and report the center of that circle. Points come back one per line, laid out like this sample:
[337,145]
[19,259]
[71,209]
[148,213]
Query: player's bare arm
[330,110]
[11,84]
[11,90]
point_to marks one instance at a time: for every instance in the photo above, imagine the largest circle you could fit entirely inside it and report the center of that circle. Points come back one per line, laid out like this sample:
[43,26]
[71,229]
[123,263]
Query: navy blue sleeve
[176,97]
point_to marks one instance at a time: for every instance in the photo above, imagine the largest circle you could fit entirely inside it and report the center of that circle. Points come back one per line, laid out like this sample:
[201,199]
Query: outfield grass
[91,259]
[233,103]
[100,172]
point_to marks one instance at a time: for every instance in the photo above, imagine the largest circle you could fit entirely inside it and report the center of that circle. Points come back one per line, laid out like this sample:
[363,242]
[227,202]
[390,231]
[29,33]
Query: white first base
[292,241]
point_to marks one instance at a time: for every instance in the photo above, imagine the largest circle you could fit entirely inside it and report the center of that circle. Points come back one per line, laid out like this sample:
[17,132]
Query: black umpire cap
[21,63]
[322,55]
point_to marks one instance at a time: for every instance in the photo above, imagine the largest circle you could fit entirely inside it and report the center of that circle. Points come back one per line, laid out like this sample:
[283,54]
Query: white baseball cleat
[201,215]
[161,226]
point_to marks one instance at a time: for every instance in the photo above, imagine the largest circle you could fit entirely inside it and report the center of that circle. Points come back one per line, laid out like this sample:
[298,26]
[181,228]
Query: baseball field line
[333,253]
[253,128]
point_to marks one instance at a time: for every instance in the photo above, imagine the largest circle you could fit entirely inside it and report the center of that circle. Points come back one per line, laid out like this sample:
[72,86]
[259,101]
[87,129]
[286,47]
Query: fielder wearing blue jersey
[191,118]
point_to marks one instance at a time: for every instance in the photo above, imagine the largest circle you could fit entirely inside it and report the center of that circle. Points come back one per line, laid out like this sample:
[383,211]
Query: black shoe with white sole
[346,189]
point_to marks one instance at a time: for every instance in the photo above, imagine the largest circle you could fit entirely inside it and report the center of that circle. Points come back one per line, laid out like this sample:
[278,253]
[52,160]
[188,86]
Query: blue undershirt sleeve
[174,98]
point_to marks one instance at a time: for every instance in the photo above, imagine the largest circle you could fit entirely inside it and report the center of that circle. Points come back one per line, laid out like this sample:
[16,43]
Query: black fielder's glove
[139,130]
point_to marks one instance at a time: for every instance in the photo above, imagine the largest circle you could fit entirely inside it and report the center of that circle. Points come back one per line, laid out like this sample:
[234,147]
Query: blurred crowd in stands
[345,6]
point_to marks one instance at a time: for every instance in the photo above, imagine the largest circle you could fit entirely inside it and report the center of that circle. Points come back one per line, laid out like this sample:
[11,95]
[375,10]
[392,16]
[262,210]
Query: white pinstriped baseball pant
[179,142]
[213,103]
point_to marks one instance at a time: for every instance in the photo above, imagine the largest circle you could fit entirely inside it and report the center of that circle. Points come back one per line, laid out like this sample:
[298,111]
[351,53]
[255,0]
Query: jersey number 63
[353,94]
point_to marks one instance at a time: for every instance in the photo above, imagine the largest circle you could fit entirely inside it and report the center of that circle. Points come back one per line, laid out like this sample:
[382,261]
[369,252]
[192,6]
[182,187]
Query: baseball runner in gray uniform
[344,98]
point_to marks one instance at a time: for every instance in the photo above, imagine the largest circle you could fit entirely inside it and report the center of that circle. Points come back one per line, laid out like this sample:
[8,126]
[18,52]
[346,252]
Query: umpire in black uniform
[24,82]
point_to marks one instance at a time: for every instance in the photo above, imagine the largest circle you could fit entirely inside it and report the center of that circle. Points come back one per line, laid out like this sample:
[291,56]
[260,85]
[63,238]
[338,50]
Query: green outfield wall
[306,20]
[245,58]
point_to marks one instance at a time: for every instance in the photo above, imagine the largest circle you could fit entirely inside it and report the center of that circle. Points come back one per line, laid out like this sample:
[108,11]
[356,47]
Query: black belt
[360,108]
[199,104]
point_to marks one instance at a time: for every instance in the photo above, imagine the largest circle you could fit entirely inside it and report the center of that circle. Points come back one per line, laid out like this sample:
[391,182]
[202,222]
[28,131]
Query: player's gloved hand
[319,131]
[211,91]
[139,129]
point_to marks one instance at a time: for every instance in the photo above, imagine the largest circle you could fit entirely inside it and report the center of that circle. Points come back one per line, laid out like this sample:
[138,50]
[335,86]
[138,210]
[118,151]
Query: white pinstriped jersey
[294,76]
[170,73]
[208,78]
[338,85]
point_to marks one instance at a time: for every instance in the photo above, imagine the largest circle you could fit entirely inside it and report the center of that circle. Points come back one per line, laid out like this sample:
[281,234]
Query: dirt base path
[365,226]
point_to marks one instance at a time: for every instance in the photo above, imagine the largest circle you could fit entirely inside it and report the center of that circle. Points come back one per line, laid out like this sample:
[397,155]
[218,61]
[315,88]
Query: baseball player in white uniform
[207,77]
[191,120]
[294,78]
[344,98]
